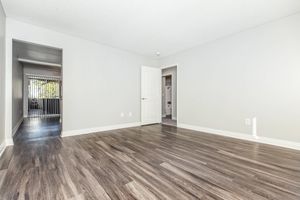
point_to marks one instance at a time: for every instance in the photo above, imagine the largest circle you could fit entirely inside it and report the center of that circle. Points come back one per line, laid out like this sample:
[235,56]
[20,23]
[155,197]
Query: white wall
[2,74]
[17,90]
[99,82]
[255,73]
[172,71]
[32,69]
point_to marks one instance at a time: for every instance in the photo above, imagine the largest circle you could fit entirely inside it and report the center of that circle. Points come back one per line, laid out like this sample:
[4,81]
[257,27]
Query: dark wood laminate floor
[151,162]
[36,128]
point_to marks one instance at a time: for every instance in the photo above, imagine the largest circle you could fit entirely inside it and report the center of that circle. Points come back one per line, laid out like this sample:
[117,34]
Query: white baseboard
[5,143]
[9,142]
[243,136]
[2,148]
[99,129]
[15,129]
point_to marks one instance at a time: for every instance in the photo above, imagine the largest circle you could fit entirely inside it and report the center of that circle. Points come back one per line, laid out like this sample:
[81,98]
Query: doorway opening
[36,91]
[43,96]
[169,96]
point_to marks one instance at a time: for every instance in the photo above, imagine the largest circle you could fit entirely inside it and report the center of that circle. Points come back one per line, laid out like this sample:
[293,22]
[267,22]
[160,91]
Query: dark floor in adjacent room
[150,162]
[169,121]
[36,128]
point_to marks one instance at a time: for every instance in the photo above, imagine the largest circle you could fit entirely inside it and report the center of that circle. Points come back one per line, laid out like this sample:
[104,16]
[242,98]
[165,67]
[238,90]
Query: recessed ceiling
[149,26]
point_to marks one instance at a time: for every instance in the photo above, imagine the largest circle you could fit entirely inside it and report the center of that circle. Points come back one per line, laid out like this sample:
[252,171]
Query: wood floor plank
[149,162]
[139,191]
[6,157]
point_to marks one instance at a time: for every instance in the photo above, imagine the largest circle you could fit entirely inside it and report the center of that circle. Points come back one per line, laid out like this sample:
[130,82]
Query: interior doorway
[169,96]
[43,96]
[36,91]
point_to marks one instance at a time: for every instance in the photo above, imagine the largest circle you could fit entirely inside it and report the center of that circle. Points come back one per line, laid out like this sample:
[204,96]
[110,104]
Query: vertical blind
[43,96]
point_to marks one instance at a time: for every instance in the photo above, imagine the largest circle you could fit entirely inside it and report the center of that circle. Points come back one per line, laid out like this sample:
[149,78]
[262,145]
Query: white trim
[17,126]
[174,118]
[5,143]
[8,86]
[99,129]
[9,142]
[243,136]
[24,60]
[2,148]
[150,123]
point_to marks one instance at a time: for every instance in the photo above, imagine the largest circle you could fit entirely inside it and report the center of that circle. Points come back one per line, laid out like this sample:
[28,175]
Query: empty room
[150,100]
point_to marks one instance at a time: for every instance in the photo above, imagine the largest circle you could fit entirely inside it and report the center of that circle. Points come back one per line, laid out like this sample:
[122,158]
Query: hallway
[38,128]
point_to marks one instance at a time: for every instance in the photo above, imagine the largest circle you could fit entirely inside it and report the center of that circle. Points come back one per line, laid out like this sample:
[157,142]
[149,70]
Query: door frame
[25,87]
[8,84]
[161,68]
[177,75]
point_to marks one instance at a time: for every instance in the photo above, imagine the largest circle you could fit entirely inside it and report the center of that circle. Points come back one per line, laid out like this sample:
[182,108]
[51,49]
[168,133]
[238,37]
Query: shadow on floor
[38,128]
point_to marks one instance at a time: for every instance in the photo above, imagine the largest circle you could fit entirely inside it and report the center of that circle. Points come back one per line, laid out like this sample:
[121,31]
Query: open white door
[150,95]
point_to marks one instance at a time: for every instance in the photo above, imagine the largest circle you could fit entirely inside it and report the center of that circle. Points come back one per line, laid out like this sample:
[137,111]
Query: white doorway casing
[169,95]
[150,95]
[172,71]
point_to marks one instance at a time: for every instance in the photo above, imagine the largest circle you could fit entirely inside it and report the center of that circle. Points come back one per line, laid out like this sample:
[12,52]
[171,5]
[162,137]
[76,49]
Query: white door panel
[150,95]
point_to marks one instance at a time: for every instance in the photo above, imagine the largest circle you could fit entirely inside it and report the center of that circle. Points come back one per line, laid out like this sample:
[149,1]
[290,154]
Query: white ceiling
[148,26]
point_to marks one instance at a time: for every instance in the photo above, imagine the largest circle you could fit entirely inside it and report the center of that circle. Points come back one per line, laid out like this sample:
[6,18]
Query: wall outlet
[130,114]
[247,121]
[122,114]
